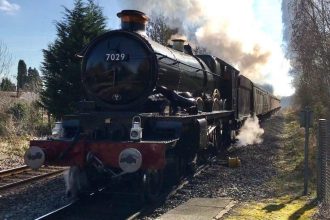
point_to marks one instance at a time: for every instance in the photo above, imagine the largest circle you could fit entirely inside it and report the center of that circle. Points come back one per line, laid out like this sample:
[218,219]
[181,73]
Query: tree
[159,31]
[310,54]
[7,85]
[61,68]
[33,81]
[5,59]
[21,74]
[201,50]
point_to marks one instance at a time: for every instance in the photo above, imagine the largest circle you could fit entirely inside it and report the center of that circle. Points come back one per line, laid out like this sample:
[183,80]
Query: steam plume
[228,29]
[75,180]
[250,132]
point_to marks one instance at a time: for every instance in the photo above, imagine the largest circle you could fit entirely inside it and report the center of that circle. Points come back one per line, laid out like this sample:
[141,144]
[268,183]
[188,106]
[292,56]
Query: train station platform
[200,209]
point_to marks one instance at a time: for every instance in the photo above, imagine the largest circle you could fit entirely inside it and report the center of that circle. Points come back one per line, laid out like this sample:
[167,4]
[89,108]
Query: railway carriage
[152,110]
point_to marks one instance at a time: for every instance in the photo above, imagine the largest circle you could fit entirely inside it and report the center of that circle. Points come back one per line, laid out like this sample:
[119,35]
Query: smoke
[286,20]
[268,87]
[228,29]
[186,15]
[75,181]
[250,132]
[68,184]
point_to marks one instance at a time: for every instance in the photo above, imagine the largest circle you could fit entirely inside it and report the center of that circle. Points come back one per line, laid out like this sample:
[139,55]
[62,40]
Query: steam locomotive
[152,110]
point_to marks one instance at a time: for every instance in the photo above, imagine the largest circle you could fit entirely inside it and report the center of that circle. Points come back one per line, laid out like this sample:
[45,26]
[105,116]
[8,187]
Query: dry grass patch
[285,207]
[12,151]
[14,146]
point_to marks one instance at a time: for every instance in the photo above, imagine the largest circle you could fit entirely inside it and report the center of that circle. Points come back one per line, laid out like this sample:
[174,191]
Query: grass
[285,207]
[288,184]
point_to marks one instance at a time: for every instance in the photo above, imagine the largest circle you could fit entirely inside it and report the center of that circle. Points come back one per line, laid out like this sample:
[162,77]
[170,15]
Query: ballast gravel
[241,184]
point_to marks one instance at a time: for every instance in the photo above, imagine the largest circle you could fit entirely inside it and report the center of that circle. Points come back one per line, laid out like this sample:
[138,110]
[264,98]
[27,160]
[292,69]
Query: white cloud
[8,7]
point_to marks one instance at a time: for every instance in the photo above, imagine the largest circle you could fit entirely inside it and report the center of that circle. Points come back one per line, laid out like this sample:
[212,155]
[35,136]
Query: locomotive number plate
[115,57]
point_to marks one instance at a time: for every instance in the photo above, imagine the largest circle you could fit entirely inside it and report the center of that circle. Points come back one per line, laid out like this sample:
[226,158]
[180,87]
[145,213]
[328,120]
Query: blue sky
[27,27]
[30,27]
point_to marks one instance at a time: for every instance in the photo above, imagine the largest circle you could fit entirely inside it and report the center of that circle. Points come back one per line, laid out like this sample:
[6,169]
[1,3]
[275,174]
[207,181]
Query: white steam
[75,181]
[250,132]
[229,30]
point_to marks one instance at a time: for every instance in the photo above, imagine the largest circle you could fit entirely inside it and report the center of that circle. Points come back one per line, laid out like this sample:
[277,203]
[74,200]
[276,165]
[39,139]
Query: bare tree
[159,31]
[5,60]
[310,45]
[200,50]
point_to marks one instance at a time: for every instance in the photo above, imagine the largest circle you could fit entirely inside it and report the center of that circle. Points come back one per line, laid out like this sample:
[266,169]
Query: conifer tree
[21,74]
[61,68]
[33,81]
[7,85]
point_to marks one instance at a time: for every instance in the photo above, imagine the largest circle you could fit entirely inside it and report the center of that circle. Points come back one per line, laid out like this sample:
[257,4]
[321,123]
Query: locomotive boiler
[122,68]
[153,112]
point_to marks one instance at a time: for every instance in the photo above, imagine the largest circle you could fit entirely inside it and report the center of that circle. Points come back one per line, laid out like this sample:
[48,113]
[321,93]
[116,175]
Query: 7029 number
[116,57]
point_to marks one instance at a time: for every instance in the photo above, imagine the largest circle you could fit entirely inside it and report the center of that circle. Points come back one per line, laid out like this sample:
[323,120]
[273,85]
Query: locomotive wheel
[216,94]
[217,140]
[192,165]
[200,104]
[153,184]
[216,106]
[175,167]
[227,136]
[233,136]
[184,166]
[178,168]
[203,155]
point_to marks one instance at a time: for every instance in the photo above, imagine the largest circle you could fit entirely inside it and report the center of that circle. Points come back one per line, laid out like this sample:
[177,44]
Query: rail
[77,204]
[23,174]
[167,194]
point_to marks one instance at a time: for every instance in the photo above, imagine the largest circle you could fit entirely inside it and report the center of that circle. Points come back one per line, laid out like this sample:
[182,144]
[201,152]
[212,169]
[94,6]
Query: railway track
[22,175]
[132,213]
[171,192]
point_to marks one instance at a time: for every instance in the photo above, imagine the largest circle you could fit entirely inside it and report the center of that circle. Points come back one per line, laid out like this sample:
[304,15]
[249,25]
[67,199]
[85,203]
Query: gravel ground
[32,202]
[242,184]
[245,183]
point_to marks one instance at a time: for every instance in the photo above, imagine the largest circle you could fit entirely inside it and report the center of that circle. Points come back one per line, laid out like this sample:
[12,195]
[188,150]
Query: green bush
[4,118]
[23,119]
[19,110]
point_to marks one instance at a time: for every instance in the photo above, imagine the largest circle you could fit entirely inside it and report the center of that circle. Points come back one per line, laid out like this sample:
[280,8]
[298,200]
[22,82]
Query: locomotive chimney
[178,44]
[132,20]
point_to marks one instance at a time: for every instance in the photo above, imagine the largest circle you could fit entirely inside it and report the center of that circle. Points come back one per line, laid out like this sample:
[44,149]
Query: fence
[323,171]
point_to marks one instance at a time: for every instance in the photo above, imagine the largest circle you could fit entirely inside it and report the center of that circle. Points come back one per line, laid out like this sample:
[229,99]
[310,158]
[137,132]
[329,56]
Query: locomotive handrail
[176,61]
[73,143]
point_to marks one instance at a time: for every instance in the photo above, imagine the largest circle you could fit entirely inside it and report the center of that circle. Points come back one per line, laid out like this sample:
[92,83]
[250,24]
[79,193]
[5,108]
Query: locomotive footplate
[209,116]
[109,152]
